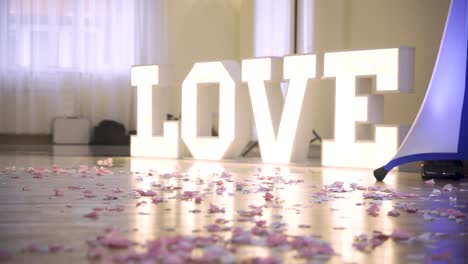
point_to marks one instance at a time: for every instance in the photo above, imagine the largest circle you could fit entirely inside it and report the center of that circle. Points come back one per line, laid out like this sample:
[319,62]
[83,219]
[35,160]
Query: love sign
[283,125]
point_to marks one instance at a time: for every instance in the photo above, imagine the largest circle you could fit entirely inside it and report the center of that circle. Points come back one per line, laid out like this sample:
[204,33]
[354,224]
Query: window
[71,35]
[73,58]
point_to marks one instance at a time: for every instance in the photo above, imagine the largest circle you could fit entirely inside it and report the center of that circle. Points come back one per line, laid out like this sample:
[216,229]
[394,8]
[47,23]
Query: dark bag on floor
[109,132]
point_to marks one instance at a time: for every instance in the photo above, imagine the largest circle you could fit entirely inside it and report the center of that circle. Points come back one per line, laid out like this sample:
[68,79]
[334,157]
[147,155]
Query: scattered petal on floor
[268,196]
[227,228]
[215,209]
[393,213]
[4,254]
[106,163]
[445,255]
[399,235]
[94,253]
[58,192]
[92,215]
[430,182]
[373,210]
[114,239]
[448,188]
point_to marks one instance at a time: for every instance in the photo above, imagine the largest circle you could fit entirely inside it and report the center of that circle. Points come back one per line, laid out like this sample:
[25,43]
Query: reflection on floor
[61,208]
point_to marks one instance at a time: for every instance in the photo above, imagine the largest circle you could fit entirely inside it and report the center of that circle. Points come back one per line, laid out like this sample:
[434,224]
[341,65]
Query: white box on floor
[71,130]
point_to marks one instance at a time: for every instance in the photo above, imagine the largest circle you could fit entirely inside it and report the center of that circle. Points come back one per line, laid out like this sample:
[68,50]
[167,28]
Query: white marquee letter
[151,140]
[355,71]
[234,116]
[283,132]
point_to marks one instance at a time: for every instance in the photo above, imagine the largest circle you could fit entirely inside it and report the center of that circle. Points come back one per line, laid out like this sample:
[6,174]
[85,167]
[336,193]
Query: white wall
[206,30]
[246,29]
[375,24]
[399,22]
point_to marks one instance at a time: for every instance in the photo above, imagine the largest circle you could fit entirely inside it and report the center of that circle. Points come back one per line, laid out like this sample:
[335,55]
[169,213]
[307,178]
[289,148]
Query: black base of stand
[380,173]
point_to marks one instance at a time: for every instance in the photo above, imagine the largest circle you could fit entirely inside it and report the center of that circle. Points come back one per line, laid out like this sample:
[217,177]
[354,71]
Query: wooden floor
[309,216]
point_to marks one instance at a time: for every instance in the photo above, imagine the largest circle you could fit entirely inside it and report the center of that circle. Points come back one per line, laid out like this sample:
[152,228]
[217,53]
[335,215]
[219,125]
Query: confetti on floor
[211,215]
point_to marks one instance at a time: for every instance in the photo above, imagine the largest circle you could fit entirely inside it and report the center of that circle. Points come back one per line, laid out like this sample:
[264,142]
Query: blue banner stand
[440,130]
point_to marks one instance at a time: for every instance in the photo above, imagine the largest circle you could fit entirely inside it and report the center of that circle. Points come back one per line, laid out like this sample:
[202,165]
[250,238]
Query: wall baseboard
[11,139]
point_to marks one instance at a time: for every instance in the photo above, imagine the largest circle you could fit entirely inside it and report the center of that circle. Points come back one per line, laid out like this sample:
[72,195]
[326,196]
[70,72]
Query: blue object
[440,131]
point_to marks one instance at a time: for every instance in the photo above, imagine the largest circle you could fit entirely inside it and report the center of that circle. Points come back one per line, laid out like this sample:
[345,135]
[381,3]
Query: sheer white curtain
[274,24]
[73,58]
[273,27]
[305,26]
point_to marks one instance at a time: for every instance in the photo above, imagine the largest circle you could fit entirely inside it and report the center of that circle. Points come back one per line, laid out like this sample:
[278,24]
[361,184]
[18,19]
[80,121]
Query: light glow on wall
[234,122]
[283,131]
[155,136]
[392,70]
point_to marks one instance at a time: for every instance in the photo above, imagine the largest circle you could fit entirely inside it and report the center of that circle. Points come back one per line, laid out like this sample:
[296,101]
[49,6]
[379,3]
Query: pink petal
[337,184]
[109,162]
[240,236]
[36,248]
[268,196]
[450,211]
[400,235]
[393,213]
[141,203]
[430,182]
[115,239]
[213,228]
[276,239]
[148,193]
[251,213]
[92,215]
[215,209]
[187,195]
[410,209]
[58,192]
[374,188]
[448,188]
[106,162]
[117,208]
[220,190]
[375,242]
[361,245]
[221,221]
[446,255]
[373,210]
[259,231]
[94,253]
[267,260]
[56,248]
[156,199]
[117,190]
[4,254]
[198,200]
